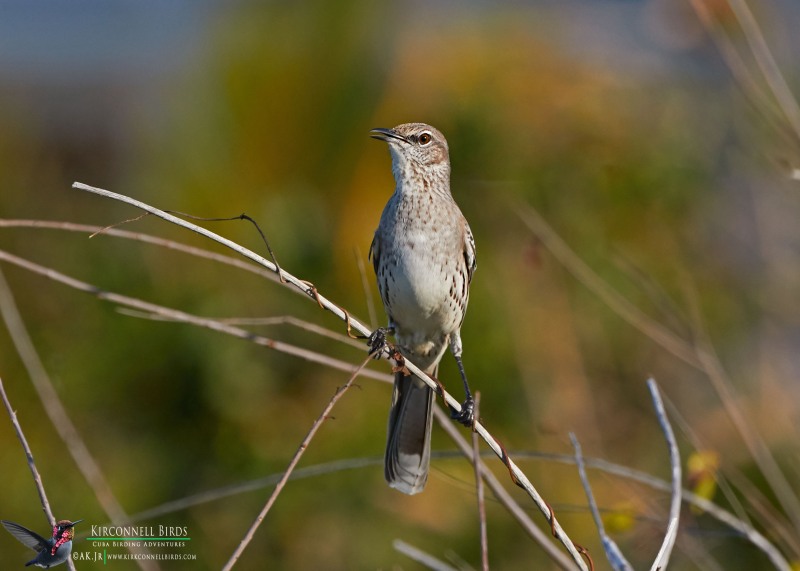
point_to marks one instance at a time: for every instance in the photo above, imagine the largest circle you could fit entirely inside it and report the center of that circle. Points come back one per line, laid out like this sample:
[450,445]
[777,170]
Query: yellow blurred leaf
[621,518]
[702,467]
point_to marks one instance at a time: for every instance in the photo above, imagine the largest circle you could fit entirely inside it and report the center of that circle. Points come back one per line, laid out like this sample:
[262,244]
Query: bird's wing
[469,253]
[374,252]
[25,536]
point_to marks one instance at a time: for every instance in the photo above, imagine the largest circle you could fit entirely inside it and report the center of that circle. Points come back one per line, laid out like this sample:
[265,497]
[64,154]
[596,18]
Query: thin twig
[296,283]
[60,418]
[747,531]
[197,252]
[253,485]
[443,419]
[241,216]
[37,478]
[727,518]
[502,495]
[300,324]
[286,475]
[766,63]
[725,487]
[764,507]
[772,518]
[181,316]
[585,275]
[764,458]
[612,550]
[742,528]
[517,475]
[276,320]
[662,559]
[751,88]
[94,231]
[421,557]
[701,357]
[476,462]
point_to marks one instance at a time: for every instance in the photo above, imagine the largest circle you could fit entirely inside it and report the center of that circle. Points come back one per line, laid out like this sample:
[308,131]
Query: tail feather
[408,447]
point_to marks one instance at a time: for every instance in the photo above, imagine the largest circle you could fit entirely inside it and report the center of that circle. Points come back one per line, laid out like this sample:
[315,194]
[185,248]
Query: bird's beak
[387,135]
[74,522]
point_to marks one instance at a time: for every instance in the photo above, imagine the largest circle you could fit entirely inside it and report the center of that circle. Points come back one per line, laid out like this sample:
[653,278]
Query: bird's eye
[424,138]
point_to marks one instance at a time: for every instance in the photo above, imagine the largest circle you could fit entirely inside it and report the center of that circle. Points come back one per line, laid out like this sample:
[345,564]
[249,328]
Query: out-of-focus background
[649,142]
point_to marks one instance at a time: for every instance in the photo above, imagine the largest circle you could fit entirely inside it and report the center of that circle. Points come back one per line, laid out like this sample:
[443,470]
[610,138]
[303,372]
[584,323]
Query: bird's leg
[377,340]
[467,414]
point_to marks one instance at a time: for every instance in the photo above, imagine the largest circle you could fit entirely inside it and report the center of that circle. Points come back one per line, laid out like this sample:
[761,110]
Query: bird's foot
[467,414]
[377,341]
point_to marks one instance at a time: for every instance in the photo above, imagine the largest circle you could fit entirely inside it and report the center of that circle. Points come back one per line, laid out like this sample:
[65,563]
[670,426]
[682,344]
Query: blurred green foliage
[655,172]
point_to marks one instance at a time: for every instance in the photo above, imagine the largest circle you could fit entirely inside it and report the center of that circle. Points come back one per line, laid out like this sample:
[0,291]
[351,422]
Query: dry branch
[37,478]
[62,422]
[766,63]
[324,415]
[183,317]
[662,559]
[476,455]
[612,550]
[501,494]
[421,557]
[700,356]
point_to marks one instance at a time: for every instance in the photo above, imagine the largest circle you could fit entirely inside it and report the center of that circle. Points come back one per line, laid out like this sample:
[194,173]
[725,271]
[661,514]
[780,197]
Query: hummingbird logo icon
[49,552]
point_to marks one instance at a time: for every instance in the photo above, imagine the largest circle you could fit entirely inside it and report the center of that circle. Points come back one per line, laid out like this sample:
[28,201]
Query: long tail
[408,446]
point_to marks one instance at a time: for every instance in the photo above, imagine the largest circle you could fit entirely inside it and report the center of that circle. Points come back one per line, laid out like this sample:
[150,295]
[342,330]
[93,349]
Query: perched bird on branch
[424,257]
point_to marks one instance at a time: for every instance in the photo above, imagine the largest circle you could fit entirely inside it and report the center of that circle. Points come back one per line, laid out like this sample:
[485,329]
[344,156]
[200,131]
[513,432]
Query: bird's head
[418,150]
[64,530]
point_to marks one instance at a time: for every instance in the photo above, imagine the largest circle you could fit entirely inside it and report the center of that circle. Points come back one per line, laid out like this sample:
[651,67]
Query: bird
[423,253]
[50,552]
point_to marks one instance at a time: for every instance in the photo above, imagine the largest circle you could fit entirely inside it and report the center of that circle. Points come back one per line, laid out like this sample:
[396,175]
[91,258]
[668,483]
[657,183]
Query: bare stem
[61,420]
[181,316]
[502,495]
[286,475]
[766,63]
[476,462]
[421,557]
[662,559]
[701,356]
[612,550]
[37,478]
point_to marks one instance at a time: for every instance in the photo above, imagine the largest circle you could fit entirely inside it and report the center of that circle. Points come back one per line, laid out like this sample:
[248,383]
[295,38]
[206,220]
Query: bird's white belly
[421,293]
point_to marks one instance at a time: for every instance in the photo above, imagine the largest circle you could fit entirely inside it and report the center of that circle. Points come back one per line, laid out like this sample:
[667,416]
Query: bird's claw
[377,342]
[467,414]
